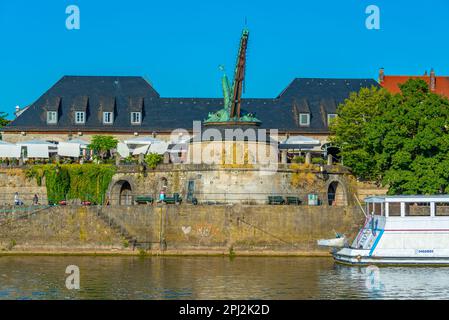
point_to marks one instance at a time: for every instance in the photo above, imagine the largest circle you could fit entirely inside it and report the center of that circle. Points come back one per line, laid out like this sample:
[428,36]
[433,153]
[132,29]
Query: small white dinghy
[338,242]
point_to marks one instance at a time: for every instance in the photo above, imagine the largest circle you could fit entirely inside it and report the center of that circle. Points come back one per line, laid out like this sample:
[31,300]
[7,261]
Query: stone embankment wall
[186,229]
[209,184]
[238,228]
[247,226]
[222,184]
[13,180]
[56,229]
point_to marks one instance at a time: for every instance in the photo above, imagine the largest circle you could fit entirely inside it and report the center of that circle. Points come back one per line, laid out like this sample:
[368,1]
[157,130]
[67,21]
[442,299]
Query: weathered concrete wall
[14,180]
[56,229]
[219,184]
[257,228]
[211,184]
[180,229]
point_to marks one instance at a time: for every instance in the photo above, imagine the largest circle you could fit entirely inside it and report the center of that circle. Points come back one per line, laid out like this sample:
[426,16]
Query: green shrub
[318,161]
[298,159]
[129,160]
[153,159]
[125,243]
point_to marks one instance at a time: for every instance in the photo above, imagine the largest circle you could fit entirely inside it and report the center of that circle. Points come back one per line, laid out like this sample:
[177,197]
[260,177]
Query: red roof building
[437,84]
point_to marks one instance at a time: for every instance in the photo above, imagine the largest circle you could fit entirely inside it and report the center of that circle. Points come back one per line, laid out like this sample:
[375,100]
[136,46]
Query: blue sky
[178,45]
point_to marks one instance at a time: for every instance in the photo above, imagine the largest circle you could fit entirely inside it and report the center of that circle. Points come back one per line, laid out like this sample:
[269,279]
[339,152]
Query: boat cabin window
[417,209]
[376,208]
[394,209]
[408,206]
[441,209]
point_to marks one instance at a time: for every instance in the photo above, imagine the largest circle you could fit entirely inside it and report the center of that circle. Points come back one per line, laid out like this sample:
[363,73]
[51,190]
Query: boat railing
[361,232]
[374,225]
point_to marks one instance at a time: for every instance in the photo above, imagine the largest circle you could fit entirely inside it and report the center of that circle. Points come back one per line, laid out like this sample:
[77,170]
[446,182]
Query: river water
[215,278]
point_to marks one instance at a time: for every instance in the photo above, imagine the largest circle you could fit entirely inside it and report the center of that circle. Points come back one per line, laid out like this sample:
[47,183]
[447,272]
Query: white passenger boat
[401,230]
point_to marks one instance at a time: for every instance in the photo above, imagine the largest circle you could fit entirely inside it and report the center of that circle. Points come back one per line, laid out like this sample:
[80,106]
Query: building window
[107,117]
[52,117]
[304,119]
[330,118]
[136,117]
[80,117]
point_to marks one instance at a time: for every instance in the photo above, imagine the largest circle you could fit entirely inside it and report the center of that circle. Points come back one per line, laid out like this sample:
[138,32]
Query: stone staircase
[120,229]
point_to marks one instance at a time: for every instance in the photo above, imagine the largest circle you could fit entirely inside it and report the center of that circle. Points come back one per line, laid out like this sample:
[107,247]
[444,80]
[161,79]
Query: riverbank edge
[167,253]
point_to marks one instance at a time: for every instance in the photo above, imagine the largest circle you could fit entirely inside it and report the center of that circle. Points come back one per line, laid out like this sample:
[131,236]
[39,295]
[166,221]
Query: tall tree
[398,140]
[351,130]
[103,144]
[3,119]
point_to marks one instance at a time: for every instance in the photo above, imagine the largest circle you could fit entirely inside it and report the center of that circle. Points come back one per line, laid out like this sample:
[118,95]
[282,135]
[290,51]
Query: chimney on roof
[17,111]
[381,75]
[432,80]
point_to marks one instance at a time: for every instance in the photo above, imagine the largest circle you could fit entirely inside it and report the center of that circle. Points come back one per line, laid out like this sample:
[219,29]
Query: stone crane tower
[232,113]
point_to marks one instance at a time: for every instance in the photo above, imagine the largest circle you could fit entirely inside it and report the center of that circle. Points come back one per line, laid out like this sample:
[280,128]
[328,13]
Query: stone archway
[126,194]
[163,184]
[121,192]
[336,194]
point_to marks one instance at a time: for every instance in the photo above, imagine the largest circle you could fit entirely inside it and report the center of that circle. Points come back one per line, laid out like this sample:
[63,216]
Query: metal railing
[13,213]
[219,198]
[208,198]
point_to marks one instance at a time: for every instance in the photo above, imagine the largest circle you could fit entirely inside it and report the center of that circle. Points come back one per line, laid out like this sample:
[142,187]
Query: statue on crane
[232,113]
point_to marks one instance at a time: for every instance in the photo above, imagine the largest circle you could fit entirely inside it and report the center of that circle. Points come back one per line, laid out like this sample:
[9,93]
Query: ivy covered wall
[87,182]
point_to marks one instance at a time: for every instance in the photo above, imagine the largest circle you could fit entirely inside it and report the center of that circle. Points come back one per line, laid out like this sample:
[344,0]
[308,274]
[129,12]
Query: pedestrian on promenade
[35,200]
[162,196]
[17,200]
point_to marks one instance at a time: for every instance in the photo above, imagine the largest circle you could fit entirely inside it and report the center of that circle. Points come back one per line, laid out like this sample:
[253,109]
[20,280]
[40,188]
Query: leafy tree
[399,140]
[351,130]
[3,119]
[103,144]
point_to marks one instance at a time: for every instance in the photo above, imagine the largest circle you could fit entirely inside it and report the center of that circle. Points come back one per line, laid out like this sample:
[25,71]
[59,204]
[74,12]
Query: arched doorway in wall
[336,195]
[162,186]
[121,193]
[126,194]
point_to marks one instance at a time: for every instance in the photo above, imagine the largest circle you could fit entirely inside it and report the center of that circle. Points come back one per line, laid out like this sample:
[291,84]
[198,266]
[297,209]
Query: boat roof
[408,198]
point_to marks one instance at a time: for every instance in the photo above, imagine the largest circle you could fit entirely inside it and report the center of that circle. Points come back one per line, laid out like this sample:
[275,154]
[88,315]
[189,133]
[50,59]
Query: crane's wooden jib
[231,113]
[239,76]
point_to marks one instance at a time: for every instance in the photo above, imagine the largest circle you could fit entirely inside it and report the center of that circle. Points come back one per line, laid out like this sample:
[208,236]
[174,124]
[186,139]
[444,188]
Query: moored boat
[338,242]
[401,230]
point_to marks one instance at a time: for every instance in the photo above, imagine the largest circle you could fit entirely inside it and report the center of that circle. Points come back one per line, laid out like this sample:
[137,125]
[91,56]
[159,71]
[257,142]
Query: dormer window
[80,117]
[331,117]
[107,118]
[304,119]
[136,117]
[52,117]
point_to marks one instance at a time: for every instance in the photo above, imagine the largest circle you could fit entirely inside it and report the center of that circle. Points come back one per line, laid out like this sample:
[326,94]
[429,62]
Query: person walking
[35,200]
[17,201]
[162,195]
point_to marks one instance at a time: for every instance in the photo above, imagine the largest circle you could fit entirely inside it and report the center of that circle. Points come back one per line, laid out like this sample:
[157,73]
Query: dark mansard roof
[123,95]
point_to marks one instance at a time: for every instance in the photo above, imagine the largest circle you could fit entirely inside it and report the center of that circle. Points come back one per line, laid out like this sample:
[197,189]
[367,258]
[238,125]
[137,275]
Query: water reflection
[215,278]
